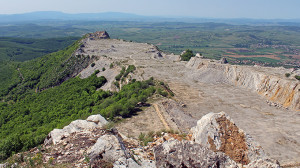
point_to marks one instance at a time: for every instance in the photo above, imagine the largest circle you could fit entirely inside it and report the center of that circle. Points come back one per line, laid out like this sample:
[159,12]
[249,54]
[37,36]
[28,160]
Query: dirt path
[162,119]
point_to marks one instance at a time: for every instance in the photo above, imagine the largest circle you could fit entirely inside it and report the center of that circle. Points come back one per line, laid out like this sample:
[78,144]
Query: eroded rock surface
[219,133]
[178,154]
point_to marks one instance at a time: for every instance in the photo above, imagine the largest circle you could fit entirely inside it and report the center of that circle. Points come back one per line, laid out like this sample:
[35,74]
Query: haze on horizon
[257,9]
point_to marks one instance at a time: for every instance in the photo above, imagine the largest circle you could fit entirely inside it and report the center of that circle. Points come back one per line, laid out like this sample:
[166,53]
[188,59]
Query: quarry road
[206,89]
[161,117]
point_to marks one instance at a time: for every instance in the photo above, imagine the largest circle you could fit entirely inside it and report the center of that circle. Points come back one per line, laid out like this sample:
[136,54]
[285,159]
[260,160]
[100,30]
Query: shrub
[161,92]
[129,69]
[145,138]
[124,72]
[116,83]
[287,75]
[111,65]
[187,55]
[93,64]
[118,77]
[103,69]
[109,126]
[297,77]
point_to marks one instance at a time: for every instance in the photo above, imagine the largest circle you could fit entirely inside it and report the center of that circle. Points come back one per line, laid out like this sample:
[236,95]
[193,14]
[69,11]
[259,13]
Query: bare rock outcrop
[216,142]
[220,134]
[86,139]
[98,119]
[125,163]
[178,154]
[94,121]
[108,148]
[157,55]
[198,55]
[224,60]
[4,165]
[98,35]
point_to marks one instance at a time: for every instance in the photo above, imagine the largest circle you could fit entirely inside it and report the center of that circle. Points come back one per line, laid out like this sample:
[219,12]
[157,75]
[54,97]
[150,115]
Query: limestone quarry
[259,123]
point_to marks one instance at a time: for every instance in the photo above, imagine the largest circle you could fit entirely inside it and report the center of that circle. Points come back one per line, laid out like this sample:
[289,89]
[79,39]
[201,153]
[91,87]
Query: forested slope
[37,74]
[44,93]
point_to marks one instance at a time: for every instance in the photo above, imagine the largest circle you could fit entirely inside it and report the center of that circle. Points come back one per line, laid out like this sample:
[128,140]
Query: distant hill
[118,16]
[52,15]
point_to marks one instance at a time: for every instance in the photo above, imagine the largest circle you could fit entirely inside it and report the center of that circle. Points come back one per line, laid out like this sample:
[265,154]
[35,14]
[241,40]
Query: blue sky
[261,9]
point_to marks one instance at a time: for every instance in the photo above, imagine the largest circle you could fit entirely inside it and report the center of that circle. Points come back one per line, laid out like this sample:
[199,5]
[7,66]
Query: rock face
[266,81]
[220,134]
[177,154]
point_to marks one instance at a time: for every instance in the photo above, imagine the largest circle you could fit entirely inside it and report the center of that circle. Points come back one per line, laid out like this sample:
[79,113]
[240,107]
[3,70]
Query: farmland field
[241,44]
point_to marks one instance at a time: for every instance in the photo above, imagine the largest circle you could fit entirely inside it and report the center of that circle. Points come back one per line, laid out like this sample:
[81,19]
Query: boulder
[198,55]
[224,60]
[157,55]
[4,165]
[92,122]
[98,119]
[57,135]
[106,147]
[177,154]
[218,132]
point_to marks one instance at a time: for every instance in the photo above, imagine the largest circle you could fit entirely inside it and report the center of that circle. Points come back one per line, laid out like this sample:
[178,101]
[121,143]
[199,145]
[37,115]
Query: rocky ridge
[90,143]
[204,85]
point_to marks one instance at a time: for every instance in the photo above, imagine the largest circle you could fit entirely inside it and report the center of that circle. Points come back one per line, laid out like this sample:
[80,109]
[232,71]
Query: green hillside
[13,51]
[35,75]
[22,49]
[44,93]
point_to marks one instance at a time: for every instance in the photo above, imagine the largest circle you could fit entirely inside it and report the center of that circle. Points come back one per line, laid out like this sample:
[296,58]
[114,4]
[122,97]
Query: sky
[258,9]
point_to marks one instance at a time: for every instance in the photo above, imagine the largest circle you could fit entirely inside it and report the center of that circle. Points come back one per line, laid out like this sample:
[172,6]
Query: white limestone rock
[108,147]
[92,122]
[177,154]
[98,119]
[125,163]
